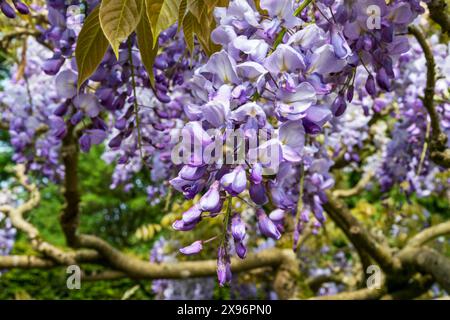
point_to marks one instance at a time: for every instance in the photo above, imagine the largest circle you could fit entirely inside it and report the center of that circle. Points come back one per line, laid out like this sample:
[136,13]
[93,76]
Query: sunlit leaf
[91,47]
[182,10]
[146,47]
[188,30]
[162,14]
[203,30]
[119,18]
[197,7]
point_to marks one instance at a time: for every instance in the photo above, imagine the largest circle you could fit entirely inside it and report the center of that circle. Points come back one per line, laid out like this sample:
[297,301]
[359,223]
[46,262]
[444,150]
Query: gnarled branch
[438,152]
[359,236]
[429,234]
[428,261]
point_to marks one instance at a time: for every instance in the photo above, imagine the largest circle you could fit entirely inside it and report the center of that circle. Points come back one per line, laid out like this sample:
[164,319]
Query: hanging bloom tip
[193,248]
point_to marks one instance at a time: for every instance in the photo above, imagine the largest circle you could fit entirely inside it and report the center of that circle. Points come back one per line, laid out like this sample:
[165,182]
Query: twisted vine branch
[438,151]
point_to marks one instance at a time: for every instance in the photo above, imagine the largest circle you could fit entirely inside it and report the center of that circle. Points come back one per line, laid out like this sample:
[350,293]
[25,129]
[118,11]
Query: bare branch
[358,188]
[429,234]
[362,294]
[35,262]
[137,268]
[25,262]
[70,213]
[429,261]
[359,236]
[438,152]
[18,221]
[414,289]
[316,282]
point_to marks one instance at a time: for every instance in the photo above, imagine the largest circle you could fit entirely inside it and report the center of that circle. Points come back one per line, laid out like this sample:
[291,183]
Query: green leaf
[188,30]
[203,29]
[181,13]
[119,18]
[91,47]
[162,14]
[145,43]
[196,7]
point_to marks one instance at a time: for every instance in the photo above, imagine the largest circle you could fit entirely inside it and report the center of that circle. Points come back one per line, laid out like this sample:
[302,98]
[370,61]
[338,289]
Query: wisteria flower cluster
[288,87]
[292,87]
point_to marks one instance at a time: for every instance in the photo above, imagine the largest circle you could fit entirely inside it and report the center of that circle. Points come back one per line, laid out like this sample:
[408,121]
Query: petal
[193,248]
[222,67]
[324,61]
[310,37]
[66,84]
[250,70]
[254,48]
[283,59]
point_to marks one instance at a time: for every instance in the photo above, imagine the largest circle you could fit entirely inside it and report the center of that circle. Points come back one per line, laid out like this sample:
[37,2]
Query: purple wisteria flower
[193,248]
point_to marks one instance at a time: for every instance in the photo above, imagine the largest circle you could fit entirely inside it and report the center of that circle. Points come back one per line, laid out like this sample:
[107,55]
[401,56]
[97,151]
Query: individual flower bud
[383,80]
[194,248]
[52,66]
[122,159]
[341,48]
[241,249]
[370,85]
[21,7]
[119,103]
[223,267]
[7,10]
[235,181]
[61,110]
[339,105]
[350,92]
[311,127]
[77,117]
[121,124]
[367,43]
[387,33]
[216,210]
[297,232]
[192,173]
[256,173]
[58,127]
[266,226]
[161,62]
[316,226]
[85,143]
[277,215]
[116,141]
[258,194]
[162,96]
[304,215]
[211,198]
[192,215]
[237,228]
[318,209]
[180,225]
